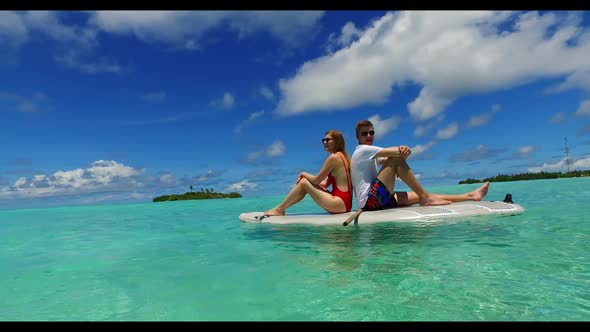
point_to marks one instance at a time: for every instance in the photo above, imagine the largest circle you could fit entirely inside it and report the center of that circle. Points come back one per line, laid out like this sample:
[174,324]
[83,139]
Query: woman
[335,171]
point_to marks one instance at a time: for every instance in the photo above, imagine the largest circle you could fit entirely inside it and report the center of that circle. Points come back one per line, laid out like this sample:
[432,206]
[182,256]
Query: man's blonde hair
[362,123]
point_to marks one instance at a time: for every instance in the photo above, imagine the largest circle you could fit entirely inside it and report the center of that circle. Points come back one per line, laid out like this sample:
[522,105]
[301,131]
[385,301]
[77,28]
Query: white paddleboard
[403,214]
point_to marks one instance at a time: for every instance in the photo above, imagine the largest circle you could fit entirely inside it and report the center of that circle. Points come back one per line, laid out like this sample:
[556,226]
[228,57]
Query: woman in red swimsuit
[335,173]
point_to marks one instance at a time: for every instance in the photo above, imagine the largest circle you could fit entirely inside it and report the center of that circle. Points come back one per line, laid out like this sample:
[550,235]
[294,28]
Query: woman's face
[328,142]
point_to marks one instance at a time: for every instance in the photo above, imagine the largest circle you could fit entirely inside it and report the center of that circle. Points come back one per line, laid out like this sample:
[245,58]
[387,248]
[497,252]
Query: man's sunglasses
[365,133]
[326,140]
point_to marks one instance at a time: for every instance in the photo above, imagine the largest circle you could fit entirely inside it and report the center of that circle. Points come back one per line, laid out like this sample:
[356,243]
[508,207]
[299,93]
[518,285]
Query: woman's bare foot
[431,200]
[275,212]
[479,193]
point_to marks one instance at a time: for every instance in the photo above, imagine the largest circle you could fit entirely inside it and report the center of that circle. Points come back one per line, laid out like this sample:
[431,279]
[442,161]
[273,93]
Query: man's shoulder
[357,149]
[363,149]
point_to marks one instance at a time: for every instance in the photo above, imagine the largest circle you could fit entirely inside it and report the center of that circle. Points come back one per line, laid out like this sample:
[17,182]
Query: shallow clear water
[194,260]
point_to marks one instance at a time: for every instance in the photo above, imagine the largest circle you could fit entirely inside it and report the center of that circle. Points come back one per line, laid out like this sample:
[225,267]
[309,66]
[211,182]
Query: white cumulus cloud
[87,64]
[524,152]
[102,175]
[561,166]
[168,179]
[16,28]
[481,151]
[579,80]
[267,93]
[241,186]
[526,149]
[251,118]
[480,120]
[185,29]
[558,117]
[253,156]
[584,108]
[448,132]
[451,54]
[419,131]
[421,148]
[76,42]
[227,101]
[13,30]
[348,33]
[277,148]
[384,126]
[208,176]
[52,24]
[582,163]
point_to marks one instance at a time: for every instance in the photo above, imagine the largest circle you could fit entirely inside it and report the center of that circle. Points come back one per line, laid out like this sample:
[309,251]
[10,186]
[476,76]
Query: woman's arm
[328,166]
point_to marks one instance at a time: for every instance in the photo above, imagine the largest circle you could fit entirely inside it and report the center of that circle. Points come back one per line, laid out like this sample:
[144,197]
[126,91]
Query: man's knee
[396,163]
[393,161]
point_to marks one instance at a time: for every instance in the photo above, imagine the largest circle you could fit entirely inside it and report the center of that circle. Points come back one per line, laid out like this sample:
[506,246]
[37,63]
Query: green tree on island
[203,194]
[529,176]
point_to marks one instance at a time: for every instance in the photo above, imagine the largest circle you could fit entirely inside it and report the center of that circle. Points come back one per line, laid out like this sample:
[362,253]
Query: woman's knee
[304,183]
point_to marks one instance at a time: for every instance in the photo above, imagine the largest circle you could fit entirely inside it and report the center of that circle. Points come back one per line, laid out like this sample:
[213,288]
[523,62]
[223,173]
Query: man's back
[363,171]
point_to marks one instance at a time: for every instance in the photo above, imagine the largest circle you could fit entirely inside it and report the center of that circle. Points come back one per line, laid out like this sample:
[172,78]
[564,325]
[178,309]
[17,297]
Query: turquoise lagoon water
[194,260]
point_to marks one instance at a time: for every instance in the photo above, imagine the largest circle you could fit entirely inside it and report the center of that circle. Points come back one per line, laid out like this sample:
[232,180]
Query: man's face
[366,135]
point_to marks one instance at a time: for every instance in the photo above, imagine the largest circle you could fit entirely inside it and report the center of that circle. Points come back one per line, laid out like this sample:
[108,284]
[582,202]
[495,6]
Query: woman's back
[340,175]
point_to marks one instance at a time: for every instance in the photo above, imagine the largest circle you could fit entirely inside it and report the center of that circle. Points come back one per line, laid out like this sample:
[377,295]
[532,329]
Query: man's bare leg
[410,198]
[398,167]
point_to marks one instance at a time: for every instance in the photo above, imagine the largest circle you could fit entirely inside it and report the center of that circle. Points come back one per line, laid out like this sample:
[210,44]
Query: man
[374,189]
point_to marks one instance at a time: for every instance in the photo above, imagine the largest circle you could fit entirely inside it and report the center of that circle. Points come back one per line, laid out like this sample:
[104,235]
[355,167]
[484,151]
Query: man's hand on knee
[404,152]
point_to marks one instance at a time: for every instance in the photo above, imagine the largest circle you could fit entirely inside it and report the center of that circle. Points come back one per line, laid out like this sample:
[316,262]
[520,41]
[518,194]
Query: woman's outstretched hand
[299,179]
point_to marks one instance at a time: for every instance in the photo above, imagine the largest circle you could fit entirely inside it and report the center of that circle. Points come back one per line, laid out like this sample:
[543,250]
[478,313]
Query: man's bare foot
[274,212]
[479,193]
[431,200]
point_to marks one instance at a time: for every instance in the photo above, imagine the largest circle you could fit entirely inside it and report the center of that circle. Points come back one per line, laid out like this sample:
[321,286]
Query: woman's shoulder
[337,157]
[333,156]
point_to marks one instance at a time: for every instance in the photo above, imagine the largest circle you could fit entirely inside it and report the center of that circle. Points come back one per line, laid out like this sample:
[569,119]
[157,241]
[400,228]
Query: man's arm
[401,151]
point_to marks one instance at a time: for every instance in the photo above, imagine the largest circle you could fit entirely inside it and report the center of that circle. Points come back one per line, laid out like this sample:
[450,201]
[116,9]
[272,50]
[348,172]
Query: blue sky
[101,107]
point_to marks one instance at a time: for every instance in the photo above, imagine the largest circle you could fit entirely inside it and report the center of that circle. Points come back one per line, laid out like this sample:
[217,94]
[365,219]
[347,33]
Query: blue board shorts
[379,197]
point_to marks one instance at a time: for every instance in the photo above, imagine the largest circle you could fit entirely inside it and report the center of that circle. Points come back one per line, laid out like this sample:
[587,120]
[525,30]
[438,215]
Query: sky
[101,107]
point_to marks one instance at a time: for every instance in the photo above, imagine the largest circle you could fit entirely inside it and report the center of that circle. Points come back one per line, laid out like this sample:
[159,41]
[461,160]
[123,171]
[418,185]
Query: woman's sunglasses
[365,133]
[326,140]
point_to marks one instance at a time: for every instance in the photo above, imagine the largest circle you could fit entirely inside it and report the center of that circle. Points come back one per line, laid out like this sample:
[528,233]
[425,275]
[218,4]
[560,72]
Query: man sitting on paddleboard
[374,189]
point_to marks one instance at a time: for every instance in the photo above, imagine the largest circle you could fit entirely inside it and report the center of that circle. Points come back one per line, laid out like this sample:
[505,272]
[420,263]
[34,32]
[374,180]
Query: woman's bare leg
[323,198]
[317,193]
[295,195]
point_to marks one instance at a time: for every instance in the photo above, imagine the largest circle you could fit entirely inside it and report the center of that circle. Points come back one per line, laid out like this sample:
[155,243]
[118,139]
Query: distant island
[529,176]
[203,194]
